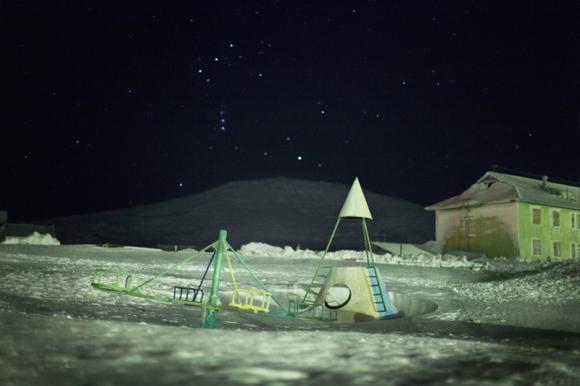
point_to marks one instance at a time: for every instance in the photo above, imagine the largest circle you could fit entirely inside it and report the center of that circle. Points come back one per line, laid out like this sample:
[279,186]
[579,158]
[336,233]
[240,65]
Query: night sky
[111,105]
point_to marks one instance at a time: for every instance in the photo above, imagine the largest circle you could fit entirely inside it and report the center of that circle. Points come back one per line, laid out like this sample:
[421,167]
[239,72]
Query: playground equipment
[342,294]
[256,300]
[367,297]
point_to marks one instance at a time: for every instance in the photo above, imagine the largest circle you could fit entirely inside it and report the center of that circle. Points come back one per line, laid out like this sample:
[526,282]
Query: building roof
[494,187]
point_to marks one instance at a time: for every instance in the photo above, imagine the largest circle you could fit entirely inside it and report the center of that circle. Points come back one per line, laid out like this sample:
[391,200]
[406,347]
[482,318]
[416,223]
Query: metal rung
[185,291]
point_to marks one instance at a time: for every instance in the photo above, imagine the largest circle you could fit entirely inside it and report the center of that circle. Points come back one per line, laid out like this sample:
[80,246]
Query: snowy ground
[498,322]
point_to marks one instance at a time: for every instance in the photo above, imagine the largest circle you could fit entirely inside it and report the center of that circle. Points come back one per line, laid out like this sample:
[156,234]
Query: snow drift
[33,239]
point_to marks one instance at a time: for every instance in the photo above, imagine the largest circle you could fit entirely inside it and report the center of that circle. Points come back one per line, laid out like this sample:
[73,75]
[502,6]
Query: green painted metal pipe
[209,317]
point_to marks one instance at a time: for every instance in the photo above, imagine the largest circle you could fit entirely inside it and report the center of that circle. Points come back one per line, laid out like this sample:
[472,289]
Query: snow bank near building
[33,239]
[261,249]
[423,258]
[549,283]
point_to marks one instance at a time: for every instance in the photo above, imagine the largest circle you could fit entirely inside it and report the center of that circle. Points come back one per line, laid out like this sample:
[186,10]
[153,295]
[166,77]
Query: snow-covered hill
[278,211]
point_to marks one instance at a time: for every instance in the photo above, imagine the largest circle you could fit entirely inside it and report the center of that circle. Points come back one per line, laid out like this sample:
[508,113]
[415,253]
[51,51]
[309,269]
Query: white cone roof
[355,204]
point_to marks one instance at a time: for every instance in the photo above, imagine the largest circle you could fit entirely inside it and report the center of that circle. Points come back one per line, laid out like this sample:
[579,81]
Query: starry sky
[114,104]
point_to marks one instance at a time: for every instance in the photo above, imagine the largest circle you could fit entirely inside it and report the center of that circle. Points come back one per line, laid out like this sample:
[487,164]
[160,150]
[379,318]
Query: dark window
[536,216]
[555,218]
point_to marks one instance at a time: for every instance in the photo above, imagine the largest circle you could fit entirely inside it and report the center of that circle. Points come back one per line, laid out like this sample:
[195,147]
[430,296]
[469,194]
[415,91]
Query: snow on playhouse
[508,215]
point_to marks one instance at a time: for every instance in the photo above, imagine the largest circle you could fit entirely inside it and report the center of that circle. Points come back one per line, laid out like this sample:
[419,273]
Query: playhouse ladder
[376,291]
[316,285]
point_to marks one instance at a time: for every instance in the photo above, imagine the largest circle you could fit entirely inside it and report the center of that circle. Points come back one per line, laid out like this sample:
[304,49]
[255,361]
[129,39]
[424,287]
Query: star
[222,125]
[299,158]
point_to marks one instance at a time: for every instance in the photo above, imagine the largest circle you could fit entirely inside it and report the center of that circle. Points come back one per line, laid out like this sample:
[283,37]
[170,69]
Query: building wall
[489,229]
[546,232]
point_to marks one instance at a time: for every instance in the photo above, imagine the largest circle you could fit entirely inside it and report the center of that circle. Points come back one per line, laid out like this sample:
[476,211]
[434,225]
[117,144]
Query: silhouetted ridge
[278,211]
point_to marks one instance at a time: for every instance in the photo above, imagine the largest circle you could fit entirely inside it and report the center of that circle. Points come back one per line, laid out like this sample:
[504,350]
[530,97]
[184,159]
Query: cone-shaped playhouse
[349,294]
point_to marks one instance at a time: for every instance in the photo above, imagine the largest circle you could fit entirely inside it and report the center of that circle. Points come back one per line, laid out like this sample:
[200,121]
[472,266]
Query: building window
[536,247]
[555,218]
[556,250]
[536,216]
[575,220]
[575,251]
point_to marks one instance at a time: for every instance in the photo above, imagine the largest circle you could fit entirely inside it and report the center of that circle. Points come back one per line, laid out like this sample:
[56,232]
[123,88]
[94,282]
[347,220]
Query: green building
[508,215]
